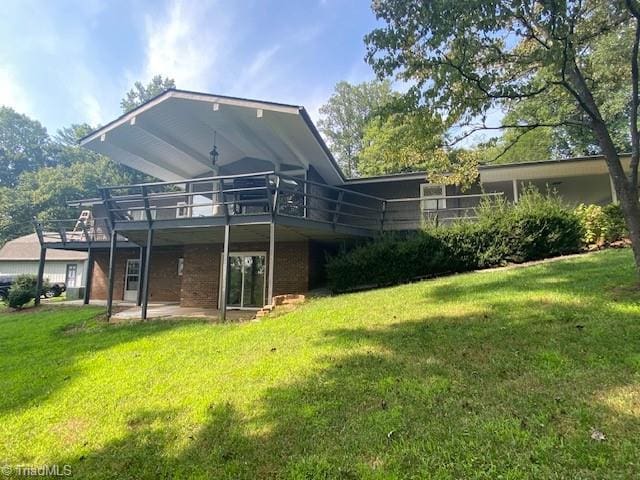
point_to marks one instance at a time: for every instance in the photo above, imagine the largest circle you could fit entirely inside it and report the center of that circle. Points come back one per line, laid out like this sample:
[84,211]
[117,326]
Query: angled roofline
[174,92]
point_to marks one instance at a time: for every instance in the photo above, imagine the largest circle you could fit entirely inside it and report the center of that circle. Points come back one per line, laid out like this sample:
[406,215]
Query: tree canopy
[345,115]
[141,93]
[576,59]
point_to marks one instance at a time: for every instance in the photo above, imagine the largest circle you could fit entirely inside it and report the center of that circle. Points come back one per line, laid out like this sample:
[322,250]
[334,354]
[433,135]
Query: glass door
[132,280]
[246,280]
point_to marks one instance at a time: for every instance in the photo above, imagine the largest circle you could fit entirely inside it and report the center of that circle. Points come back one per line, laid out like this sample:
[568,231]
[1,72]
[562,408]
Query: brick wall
[199,284]
[164,286]
[201,280]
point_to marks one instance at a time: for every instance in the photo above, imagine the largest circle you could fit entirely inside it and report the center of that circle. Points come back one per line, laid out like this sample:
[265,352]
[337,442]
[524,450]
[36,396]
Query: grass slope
[483,375]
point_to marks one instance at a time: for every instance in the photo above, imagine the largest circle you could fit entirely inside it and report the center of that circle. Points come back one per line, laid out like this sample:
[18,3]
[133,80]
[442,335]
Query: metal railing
[264,193]
[69,231]
[415,212]
[256,197]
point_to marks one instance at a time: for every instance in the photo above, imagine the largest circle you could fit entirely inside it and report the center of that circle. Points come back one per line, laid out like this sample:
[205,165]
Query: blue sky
[71,61]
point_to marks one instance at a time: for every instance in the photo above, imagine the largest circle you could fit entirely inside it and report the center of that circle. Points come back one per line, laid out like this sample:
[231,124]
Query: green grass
[500,374]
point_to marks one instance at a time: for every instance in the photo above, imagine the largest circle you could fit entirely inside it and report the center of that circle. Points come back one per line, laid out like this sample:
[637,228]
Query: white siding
[53,271]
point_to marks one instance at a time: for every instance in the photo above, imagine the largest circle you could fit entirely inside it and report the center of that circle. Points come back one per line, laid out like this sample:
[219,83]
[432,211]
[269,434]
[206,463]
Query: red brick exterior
[164,285]
[199,284]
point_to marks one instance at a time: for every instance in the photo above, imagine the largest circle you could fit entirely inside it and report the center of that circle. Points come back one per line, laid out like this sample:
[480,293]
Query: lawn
[504,374]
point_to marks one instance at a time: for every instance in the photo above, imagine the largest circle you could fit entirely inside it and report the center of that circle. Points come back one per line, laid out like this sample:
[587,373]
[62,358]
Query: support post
[272,253]
[515,191]
[145,278]
[40,280]
[614,194]
[112,268]
[225,274]
[141,264]
[88,276]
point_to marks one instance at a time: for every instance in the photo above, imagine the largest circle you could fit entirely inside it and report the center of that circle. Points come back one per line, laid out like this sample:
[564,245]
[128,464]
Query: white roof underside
[170,137]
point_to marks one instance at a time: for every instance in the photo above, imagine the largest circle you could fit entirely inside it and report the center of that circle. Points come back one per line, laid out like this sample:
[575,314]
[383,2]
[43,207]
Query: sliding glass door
[246,280]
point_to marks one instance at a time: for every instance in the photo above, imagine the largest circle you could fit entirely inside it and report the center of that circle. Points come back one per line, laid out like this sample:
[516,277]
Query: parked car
[5,284]
[50,290]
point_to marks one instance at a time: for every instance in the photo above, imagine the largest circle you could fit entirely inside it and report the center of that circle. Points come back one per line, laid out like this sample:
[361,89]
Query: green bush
[601,225]
[539,226]
[22,291]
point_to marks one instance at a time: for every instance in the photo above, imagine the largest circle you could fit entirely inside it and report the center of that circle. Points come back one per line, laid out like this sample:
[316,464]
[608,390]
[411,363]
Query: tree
[468,57]
[24,145]
[141,93]
[345,115]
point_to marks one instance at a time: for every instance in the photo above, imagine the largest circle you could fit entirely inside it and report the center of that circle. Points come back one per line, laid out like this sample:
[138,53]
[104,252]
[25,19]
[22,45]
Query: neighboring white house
[22,255]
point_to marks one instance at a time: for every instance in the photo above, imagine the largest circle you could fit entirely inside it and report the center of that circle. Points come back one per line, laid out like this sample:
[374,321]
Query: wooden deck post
[225,273]
[40,280]
[272,253]
[112,267]
[145,278]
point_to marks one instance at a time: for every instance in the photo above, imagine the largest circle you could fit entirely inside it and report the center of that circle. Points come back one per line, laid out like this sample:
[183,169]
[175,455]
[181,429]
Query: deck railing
[252,198]
[249,195]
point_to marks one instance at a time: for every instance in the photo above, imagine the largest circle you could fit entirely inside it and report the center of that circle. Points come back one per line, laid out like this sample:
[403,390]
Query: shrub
[539,226]
[601,224]
[22,291]
[616,224]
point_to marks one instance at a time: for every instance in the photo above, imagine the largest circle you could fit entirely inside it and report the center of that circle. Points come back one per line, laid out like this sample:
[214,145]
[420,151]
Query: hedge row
[538,226]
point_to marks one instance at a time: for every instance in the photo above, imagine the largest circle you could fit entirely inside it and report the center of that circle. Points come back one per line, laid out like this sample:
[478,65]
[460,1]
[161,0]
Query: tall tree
[345,115]
[24,145]
[141,93]
[468,57]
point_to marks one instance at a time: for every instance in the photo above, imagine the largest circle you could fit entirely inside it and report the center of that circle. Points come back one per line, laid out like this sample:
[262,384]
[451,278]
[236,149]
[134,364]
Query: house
[250,200]
[22,256]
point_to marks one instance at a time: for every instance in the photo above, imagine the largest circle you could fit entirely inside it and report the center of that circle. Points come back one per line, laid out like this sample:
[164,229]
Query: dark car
[5,284]
[50,290]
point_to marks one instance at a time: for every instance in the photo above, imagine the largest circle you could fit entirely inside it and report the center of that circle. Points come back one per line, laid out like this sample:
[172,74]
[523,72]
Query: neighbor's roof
[170,136]
[28,248]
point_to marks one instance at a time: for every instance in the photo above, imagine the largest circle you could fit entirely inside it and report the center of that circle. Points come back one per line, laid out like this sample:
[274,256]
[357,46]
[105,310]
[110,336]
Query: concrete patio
[129,311]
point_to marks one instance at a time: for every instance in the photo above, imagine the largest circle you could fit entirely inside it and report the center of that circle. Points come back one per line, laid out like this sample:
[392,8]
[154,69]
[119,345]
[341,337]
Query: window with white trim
[431,197]
[182,210]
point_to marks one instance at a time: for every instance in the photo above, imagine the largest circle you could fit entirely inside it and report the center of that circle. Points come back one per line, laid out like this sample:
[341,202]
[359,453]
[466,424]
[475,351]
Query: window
[140,215]
[180,266]
[431,197]
[182,211]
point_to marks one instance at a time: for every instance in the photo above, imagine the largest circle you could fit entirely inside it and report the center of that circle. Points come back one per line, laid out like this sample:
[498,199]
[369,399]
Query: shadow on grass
[512,388]
[41,348]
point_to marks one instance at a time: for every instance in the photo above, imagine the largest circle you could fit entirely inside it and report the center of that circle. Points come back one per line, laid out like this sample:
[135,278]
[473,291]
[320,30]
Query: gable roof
[27,248]
[169,136]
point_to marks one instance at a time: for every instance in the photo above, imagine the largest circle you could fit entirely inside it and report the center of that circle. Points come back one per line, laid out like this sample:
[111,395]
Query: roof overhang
[170,136]
[548,169]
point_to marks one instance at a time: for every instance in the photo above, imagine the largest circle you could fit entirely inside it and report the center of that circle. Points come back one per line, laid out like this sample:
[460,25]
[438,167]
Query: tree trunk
[630,206]
[627,192]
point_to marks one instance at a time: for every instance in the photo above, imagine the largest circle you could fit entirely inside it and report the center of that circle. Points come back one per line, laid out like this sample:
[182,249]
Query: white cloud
[12,93]
[186,43]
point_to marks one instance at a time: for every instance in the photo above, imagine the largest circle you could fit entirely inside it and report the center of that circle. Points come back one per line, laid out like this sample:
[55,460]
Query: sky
[71,61]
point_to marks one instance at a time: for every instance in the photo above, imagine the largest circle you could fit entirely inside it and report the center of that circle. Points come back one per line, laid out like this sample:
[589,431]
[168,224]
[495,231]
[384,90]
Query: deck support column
[40,280]
[145,278]
[141,264]
[225,273]
[272,252]
[614,194]
[516,194]
[88,276]
[112,268]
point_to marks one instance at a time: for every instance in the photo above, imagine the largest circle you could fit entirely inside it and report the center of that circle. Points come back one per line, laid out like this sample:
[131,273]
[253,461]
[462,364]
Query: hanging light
[213,154]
